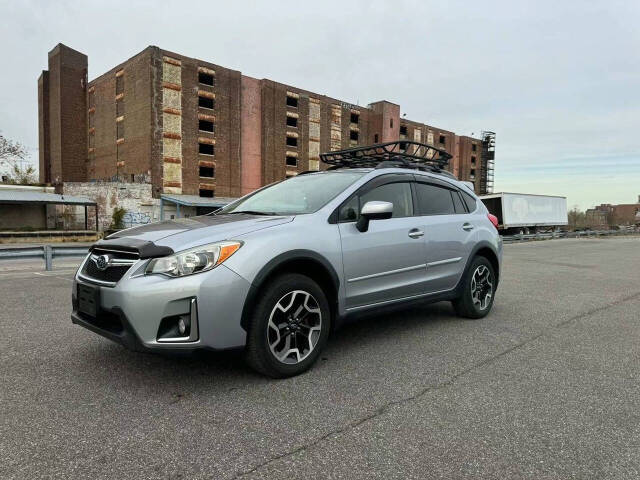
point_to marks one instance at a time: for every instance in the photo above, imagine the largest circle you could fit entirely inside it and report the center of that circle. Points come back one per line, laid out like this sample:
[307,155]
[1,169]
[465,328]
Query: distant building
[190,127]
[608,215]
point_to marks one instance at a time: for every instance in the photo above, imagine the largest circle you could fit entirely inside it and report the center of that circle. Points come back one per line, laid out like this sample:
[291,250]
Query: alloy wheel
[294,327]
[482,287]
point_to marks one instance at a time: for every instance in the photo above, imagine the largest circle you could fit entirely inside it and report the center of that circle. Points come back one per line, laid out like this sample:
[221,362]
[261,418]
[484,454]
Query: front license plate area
[88,300]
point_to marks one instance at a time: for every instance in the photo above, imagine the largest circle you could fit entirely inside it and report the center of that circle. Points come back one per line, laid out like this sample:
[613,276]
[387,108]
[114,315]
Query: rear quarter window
[469,201]
[457,202]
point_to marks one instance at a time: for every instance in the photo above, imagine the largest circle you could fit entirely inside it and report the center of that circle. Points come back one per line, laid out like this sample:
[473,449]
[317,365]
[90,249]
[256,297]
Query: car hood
[184,232]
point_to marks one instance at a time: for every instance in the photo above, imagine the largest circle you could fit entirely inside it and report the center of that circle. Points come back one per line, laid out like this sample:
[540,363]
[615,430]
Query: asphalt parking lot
[547,386]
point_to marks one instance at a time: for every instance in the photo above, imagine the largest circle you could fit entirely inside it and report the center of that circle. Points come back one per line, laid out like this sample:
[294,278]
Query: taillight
[493,219]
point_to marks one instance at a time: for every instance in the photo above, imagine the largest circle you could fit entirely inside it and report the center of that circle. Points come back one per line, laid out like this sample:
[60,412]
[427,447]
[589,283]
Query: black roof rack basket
[402,153]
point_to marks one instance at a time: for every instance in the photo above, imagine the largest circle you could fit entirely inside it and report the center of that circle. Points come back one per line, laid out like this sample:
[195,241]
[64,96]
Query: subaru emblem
[102,262]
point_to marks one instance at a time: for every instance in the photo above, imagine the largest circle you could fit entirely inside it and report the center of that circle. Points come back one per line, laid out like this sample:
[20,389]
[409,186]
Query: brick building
[191,127]
[607,215]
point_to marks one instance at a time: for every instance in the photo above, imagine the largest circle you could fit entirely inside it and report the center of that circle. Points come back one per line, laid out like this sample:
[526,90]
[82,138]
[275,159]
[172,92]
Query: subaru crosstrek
[275,271]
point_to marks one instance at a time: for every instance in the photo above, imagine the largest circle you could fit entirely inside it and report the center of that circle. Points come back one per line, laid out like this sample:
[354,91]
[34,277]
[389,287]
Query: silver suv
[279,269]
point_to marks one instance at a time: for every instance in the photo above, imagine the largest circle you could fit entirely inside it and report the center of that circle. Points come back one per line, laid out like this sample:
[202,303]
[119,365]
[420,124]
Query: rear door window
[434,200]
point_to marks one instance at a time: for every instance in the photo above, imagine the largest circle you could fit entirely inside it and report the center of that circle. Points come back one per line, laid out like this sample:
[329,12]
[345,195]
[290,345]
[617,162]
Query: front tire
[289,326]
[479,286]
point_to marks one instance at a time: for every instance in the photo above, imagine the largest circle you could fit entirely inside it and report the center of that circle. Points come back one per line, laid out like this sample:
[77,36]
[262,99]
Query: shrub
[116,218]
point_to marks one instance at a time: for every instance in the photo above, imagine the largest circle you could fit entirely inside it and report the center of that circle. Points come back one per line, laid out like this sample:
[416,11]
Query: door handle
[467,226]
[415,233]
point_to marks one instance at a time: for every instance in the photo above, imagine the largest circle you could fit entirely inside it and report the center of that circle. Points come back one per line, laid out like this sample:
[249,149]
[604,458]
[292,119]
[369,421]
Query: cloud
[557,81]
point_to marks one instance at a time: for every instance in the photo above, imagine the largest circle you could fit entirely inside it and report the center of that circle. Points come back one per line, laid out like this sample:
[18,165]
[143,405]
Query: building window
[208,172]
[292,141]
[206,149]
[442,139]
[403,129]
[292,122]
[292,161]
[205,102]
[473,173]
[375,138]
[205,126]
[355,117]
[353,135]
[119,130]
[292,101]
[119,108]
[473,147]
[207,193]
[473,160]
[391,123]
[206,79]
[119,85]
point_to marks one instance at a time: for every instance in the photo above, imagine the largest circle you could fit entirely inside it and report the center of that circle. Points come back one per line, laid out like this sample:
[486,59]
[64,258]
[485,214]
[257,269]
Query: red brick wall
[251,126]
[67,114]
[107,159]
[44,155]
[227,161]
[469,170]
[274,128]
[389,123]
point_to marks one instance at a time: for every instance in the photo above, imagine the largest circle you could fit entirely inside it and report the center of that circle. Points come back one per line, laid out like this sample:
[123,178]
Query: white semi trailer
[526,213]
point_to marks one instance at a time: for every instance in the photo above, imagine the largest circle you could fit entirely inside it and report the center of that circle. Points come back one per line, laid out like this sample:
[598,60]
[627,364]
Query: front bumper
[131,312]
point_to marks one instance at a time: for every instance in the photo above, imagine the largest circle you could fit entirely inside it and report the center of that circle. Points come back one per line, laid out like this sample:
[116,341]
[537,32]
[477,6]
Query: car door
[449,229]
[386,262]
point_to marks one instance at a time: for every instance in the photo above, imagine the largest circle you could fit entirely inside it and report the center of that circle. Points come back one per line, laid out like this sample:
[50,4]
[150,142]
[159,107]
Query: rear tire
[478,292]
[289,326]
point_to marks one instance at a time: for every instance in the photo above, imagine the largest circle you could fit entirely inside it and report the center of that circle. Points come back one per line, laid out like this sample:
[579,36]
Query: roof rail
[401,153]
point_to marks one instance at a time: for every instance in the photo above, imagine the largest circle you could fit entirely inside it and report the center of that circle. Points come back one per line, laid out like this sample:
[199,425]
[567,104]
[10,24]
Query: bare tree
[12,155]
[577,218]
[11,151]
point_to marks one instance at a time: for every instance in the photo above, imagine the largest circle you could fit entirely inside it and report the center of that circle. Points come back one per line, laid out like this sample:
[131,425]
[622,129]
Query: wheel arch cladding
[482,249]
[489,254]
[303,262]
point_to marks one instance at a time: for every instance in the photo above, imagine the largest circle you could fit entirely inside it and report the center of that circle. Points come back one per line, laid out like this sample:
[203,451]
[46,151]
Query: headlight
[194,260]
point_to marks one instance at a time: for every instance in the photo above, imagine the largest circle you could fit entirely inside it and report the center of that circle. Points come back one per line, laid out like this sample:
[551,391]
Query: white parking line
[27,274]
[52,276]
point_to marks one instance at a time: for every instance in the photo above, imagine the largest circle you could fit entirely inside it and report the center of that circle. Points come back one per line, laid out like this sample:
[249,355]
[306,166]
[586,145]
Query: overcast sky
[558,81]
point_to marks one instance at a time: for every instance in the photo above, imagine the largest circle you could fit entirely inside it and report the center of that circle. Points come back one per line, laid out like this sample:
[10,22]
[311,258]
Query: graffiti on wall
[133,219]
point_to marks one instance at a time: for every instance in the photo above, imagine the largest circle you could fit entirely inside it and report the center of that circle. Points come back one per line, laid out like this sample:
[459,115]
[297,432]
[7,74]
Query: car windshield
[297,195]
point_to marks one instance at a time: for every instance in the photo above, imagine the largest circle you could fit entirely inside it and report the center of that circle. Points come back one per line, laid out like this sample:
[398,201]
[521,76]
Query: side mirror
[373,210]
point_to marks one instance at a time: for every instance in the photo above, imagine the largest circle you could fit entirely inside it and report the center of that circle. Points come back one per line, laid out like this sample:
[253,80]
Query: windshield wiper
[252,212]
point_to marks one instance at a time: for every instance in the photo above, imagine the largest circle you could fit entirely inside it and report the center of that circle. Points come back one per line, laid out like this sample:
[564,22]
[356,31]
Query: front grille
[111,274]
[120,263]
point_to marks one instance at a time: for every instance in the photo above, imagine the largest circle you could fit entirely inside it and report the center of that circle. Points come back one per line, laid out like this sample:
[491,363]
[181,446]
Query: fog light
[182,326]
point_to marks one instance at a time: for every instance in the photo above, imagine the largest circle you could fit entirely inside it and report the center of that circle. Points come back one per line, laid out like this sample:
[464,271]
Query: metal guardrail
[47,252]
[552,235]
